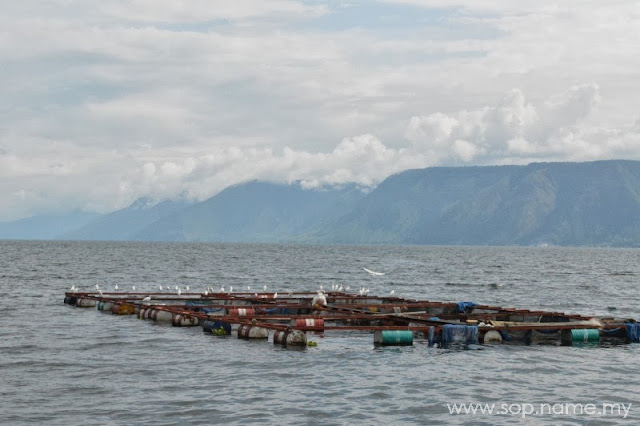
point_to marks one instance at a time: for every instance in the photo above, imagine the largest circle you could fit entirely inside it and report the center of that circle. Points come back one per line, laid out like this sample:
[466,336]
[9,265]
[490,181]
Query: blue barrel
[393,338]
[219,328]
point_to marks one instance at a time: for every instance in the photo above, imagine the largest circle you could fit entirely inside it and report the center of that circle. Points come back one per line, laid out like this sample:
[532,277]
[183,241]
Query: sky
[103,102]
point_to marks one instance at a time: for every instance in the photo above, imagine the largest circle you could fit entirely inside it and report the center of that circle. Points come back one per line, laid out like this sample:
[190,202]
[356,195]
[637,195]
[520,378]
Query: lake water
[64,366]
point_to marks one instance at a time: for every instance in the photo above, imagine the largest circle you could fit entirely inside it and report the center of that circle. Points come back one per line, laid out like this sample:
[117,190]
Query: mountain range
[578,204]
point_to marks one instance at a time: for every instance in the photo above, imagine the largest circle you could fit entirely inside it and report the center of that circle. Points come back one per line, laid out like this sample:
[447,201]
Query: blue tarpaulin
[460,334]
[633,331]
[465,307]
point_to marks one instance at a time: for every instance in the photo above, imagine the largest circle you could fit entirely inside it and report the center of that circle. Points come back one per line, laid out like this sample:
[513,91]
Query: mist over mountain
[577,204]
[255,212]
[124,224]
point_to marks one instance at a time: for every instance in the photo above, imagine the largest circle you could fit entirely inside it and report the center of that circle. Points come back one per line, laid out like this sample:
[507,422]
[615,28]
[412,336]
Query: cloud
[519,131]
[103,102]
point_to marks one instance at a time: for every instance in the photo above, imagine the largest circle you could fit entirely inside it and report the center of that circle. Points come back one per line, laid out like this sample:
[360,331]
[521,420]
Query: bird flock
[321,294]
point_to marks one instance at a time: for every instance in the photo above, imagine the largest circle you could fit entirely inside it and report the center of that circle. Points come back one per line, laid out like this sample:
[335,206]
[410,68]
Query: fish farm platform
[393,321]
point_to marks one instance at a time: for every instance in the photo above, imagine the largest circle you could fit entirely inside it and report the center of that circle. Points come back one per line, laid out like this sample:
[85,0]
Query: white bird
[392,292]
[374,273]
[206,292]
[264,287]
[275,295]
[230,289]
[248,288]
[146,299]
[222,289]
[116,286]
[100,291]
[319,299]
[97,287]
[186,289]
[133,287]
[179,291]
[160,287]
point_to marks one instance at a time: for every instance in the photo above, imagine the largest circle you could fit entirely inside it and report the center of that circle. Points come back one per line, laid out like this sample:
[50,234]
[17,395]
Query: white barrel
[162,315]
[181,320]
[492,337]
[85,303]
[104,305]
[252,332]
[290,338]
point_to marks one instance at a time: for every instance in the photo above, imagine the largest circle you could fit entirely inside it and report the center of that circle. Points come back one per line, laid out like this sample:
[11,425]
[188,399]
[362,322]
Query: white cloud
[519,131]
[103,102]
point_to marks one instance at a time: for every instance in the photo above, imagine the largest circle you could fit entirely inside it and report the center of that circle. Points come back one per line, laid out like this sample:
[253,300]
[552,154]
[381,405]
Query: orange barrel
[123,309]
[308,324]
[246,331]
[181,320]
[241,312]
[290,338]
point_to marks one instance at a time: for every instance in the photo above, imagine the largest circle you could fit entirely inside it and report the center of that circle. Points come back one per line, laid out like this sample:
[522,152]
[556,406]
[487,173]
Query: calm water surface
[62,365]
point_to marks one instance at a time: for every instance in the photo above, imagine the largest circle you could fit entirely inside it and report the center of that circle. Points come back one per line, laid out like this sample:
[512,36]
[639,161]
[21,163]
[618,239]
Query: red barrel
[308,324]
[242,312]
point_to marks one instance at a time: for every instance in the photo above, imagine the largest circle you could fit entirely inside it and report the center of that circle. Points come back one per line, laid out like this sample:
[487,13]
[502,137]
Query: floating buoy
[104,305]
[123,309]
[393,338]
[241,312]
[308,324]
[290,337]
[70,300]
[85,303]
[492,337]
[585,336]
[181,320]
[252,332]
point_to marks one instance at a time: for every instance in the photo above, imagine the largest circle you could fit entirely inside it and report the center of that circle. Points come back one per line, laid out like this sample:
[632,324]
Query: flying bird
[374,273]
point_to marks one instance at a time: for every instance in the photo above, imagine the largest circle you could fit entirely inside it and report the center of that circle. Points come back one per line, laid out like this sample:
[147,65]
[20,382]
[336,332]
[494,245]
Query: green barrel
[588,336]
[393,338]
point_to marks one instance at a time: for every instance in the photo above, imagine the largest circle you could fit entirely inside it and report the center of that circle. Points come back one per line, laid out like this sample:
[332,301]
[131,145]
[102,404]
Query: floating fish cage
[393,321]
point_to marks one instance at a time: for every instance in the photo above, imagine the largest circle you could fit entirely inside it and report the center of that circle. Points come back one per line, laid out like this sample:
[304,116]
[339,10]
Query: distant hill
[579,204]
[124,224]
[255,212]
[585,204]
[44,227]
